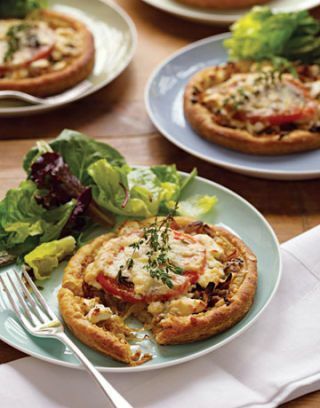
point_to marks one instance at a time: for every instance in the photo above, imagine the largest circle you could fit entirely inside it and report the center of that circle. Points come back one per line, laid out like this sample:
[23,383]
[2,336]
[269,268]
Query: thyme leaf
[156,237]
[14,39]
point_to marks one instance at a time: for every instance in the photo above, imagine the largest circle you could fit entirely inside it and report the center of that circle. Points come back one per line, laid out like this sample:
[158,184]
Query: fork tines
[30,307]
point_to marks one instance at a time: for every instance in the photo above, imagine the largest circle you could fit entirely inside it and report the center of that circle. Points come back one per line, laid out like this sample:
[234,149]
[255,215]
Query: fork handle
[115,399]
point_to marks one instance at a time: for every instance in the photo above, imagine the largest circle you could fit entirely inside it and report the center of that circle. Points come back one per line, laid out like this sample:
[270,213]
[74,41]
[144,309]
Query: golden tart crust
[223,4]
[167,328]
[52,81]
[71,307]
[203,122]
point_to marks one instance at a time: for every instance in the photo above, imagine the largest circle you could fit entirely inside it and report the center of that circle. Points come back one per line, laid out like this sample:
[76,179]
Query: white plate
[115,41]
[164,102]
[225,16]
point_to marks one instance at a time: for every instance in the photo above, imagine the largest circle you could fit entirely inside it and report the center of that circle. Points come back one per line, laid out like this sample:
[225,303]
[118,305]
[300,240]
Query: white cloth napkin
[277,359]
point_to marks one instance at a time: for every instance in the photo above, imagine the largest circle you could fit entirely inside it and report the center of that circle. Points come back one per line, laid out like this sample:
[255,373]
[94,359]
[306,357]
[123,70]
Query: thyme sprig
[156,237]
[265,79]
[159,265]
[14,39]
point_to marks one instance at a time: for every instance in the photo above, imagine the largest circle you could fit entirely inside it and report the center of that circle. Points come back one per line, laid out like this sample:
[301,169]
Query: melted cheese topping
[314,88]
[32,40]
[257,96]
[213,270]
[195,253]
[38,47]
[183,306]
[252,98]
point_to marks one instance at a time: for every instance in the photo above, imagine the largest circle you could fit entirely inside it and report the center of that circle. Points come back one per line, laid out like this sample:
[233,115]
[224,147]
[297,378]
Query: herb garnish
[265,79]
[14,39]
[156,237]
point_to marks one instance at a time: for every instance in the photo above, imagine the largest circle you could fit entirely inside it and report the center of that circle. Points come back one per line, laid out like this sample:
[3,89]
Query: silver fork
[39,320]
[51,100]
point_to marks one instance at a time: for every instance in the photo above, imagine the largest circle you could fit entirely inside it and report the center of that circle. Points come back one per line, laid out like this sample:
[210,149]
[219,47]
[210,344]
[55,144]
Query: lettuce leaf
[60,175]
[262,34]
[112,192]
[78,152]
[139,192]
[115,186]
[145,186]
[24,223]
[196,205]
[19,8]
[57,186]
[46,257]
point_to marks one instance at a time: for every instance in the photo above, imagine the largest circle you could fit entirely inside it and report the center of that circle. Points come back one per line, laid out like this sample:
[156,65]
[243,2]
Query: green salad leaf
[78,151]
[264,35]
[19,8]
[24,223]
[46,257]
[109,186]
[196,205]
[74,182]
[145,187]
[139,192]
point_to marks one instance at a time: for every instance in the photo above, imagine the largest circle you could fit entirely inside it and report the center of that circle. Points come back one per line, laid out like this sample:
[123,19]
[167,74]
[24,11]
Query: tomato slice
[286,117]
[113,287]
[193,276]
[116,289]
[295,114]
[127,294]
[41,52]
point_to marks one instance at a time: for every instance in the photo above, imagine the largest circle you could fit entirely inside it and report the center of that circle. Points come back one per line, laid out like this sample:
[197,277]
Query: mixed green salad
[19,8]
[281,37]
[75,182]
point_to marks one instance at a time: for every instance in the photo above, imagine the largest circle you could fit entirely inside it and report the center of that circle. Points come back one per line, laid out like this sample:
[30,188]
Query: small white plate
[115,42]
[223,17]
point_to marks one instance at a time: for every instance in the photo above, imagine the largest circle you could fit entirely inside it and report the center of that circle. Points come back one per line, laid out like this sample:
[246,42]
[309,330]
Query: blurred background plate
[164,101]
[115,41]
[231,211]
[223,17]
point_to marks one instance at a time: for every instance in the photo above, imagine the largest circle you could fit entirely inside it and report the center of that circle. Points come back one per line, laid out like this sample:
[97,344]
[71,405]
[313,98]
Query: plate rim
[35,109]
[200,16]
[288,174]
[192,356]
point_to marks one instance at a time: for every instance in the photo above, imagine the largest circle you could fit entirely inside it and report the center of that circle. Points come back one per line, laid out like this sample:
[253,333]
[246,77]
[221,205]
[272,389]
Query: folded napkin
[277,359]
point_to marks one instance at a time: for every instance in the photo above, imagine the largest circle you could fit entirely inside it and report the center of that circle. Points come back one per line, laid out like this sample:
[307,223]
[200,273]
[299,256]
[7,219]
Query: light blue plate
[233,212]
[164,95]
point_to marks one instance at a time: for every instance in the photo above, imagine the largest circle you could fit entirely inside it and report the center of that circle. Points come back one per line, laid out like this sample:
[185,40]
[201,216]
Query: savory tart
[183,279]
[255,109]
[225,4]
[45,53]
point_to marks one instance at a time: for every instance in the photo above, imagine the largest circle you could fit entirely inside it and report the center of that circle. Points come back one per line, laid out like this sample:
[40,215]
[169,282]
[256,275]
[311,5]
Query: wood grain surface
[116,114]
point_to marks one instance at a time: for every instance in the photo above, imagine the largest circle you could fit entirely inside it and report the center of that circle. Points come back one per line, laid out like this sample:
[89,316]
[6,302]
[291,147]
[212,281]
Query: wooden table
[116,114]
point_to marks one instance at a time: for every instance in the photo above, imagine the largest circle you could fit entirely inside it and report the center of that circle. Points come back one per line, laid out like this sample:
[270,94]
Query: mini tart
[260,137]
[55,53]
[223,5]
[219,294]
